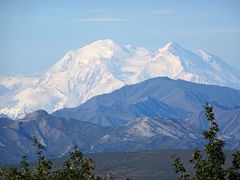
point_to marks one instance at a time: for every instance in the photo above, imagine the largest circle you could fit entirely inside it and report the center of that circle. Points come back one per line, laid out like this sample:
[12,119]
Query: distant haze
[34,35]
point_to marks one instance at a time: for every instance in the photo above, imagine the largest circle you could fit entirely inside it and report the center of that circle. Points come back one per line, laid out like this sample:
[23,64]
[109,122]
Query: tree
[76,167]
[210,167]
[25,173]
[43,168]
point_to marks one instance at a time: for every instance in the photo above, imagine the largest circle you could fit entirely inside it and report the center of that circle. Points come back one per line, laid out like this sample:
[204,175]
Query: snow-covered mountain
[159,113]
[104,66]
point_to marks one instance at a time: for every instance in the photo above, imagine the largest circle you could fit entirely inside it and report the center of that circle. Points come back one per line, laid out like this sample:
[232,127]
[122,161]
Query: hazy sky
[35,34]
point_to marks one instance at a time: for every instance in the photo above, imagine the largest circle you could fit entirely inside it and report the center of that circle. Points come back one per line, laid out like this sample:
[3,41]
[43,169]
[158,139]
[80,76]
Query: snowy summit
[104,66]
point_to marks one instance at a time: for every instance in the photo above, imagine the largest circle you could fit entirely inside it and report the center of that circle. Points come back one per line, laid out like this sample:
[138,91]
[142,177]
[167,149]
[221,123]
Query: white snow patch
[104,139]
[104,66]
[1,144]
[91,147]
[67,149]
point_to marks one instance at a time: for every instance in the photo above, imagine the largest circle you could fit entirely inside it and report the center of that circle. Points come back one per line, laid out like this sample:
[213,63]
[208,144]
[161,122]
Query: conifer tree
[44,166]
[25,173]
[76,167]
[210,167]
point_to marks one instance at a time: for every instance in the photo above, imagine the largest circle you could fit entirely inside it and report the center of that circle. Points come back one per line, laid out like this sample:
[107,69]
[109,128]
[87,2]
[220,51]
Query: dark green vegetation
[211,166]
[74,167]
[141,165]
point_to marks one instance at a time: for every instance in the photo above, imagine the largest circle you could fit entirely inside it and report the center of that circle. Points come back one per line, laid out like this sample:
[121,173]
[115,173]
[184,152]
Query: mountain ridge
[158,113]
[104,66]
[162,96]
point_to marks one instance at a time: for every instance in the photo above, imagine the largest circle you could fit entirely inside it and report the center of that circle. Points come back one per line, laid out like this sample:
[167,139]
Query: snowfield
[104,66]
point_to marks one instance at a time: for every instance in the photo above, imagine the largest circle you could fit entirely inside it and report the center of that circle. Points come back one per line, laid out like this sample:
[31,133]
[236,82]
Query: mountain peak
[104,66]
[104,43]
[171,46]
[35,115]
[105,48]
[93,53]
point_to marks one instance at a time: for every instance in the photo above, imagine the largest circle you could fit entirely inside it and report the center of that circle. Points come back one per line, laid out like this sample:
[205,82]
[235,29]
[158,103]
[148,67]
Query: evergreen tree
[25,173]
[43,168]
[210,167]
[76,167]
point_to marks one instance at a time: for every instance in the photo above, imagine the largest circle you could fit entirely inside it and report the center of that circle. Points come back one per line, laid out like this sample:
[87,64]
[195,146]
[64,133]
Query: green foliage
[179,168]
[43,169]
[210,167]
[25,173]
[74,168]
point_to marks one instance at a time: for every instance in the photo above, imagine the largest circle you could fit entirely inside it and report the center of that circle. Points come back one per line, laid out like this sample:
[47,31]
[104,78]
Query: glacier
[104,66]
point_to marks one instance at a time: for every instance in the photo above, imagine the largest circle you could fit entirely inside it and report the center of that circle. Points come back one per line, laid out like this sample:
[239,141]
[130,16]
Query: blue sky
[35,34]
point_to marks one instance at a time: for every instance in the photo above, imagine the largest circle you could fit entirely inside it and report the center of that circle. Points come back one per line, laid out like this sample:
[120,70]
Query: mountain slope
[118,112]
[178,63]
[157,97]
[158,113]
[227,118]
[104,66]
[59,135]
